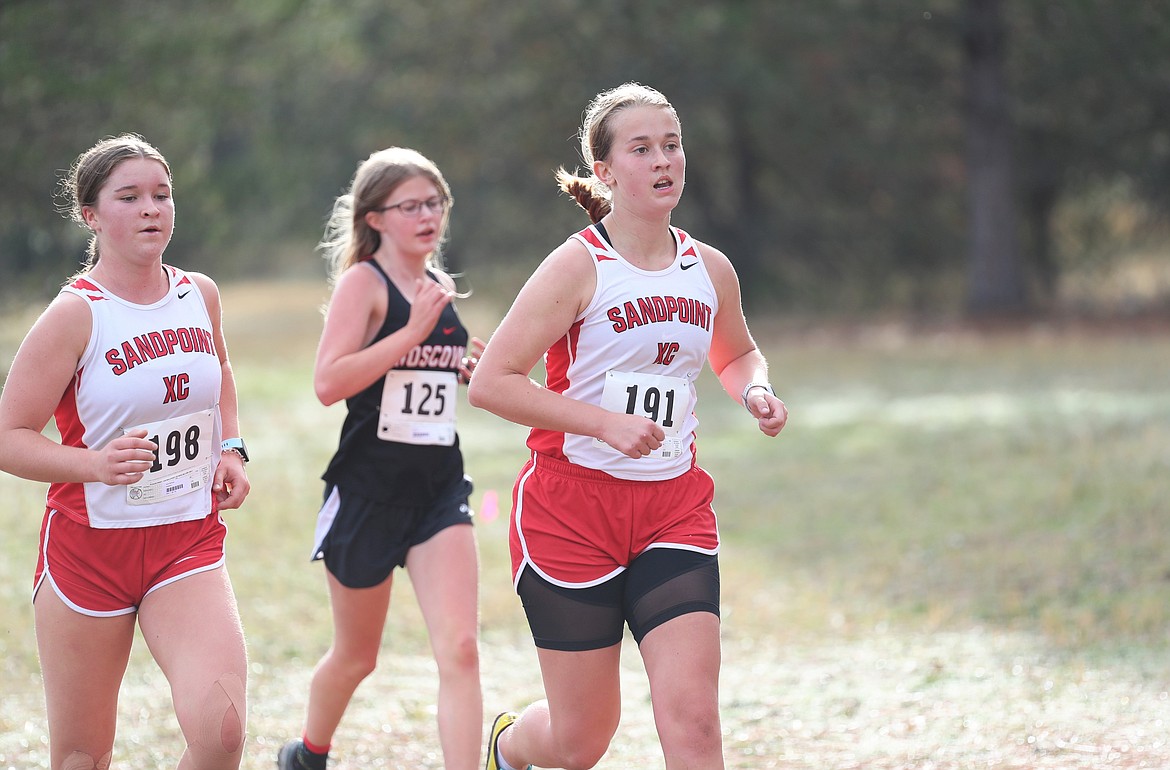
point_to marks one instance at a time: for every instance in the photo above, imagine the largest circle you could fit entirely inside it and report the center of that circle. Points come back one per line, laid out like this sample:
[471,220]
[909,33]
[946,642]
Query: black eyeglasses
[412,208]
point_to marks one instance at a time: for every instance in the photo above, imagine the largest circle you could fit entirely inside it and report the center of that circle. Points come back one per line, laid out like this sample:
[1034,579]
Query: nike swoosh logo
[449,330]
[688,267]
[184,294]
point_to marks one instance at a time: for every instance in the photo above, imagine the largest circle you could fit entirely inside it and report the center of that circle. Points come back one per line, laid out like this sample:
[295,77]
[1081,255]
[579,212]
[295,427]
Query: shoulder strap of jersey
[86,289]
[598,246]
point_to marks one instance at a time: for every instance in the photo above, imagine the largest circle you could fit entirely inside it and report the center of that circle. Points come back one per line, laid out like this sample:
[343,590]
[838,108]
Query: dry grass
[953,558]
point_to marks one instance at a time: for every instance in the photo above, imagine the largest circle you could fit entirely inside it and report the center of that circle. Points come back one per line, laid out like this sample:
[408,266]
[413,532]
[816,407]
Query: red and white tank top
[638,348]
[145,366]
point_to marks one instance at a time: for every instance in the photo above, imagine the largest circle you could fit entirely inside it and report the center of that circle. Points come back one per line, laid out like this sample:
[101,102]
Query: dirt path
[885,702]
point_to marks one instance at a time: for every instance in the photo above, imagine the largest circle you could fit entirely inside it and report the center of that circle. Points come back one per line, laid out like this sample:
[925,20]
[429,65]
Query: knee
[458,656]
[582,750]
[222,717]
[702,737]
[357,668]
[692,729]
[581,757]
[79,760]
[351,667]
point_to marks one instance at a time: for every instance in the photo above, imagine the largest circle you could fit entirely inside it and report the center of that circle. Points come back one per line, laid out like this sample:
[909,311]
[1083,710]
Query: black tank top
[403,474]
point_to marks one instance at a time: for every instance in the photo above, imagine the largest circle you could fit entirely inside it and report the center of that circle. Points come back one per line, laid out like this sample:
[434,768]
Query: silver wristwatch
[743,397]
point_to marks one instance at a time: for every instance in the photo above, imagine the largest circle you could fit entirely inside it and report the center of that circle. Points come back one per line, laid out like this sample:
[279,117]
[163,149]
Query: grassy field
[955,556]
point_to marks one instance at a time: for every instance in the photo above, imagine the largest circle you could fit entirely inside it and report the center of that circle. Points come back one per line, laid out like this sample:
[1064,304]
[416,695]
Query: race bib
[182,461]
[418,407]
[665,400]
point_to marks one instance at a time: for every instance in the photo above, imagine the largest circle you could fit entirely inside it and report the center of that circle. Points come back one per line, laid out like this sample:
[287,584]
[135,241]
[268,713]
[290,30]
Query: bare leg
[445,574]
[83,660]
[193,630]
[572,728]
[359,616]
[682,659]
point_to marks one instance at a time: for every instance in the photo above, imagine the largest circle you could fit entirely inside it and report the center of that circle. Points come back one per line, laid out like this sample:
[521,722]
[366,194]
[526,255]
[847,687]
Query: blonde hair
[348,238]
[597,139]
[83,182]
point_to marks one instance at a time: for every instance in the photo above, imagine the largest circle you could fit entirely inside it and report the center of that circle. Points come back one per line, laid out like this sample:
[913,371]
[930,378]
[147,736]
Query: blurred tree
[995,281]
[1091,81]
[825,138]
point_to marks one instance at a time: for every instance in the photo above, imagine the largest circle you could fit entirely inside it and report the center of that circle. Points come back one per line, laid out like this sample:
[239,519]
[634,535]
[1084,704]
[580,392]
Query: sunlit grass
[922,490]
[937,497]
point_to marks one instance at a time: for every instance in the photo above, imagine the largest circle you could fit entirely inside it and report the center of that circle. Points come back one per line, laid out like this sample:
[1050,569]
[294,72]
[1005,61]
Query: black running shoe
[294,756]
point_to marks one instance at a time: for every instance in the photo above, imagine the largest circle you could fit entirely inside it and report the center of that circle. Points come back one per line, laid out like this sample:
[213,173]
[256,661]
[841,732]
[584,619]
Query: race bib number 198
[182,462]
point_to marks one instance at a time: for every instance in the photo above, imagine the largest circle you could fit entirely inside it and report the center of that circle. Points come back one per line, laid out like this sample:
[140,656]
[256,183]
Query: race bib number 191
[665,400]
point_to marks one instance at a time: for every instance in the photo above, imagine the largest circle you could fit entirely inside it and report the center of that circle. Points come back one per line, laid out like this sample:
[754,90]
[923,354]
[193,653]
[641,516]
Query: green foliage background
[824,137]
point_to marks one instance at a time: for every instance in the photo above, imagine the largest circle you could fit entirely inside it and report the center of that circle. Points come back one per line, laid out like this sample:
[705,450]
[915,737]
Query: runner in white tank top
[130,359]
[151,366]
[613,524]
[638,347]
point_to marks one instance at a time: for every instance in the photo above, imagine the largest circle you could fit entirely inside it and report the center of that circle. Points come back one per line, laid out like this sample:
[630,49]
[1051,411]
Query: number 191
[651,404]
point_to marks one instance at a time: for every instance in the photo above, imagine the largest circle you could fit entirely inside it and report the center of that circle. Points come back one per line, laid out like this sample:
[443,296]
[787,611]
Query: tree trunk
[995,278]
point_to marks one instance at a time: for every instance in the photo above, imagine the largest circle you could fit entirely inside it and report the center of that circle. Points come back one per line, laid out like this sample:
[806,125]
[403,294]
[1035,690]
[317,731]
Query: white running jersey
[637,348]
[145,366]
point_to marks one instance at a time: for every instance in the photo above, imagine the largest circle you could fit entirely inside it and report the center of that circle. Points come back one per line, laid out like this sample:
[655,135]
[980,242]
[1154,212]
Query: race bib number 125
[418,407]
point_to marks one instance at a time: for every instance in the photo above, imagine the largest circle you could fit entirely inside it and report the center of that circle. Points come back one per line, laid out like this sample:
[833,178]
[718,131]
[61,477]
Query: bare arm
[735,357]
[41,373]
[346,362]
[543,312]
[230,485]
